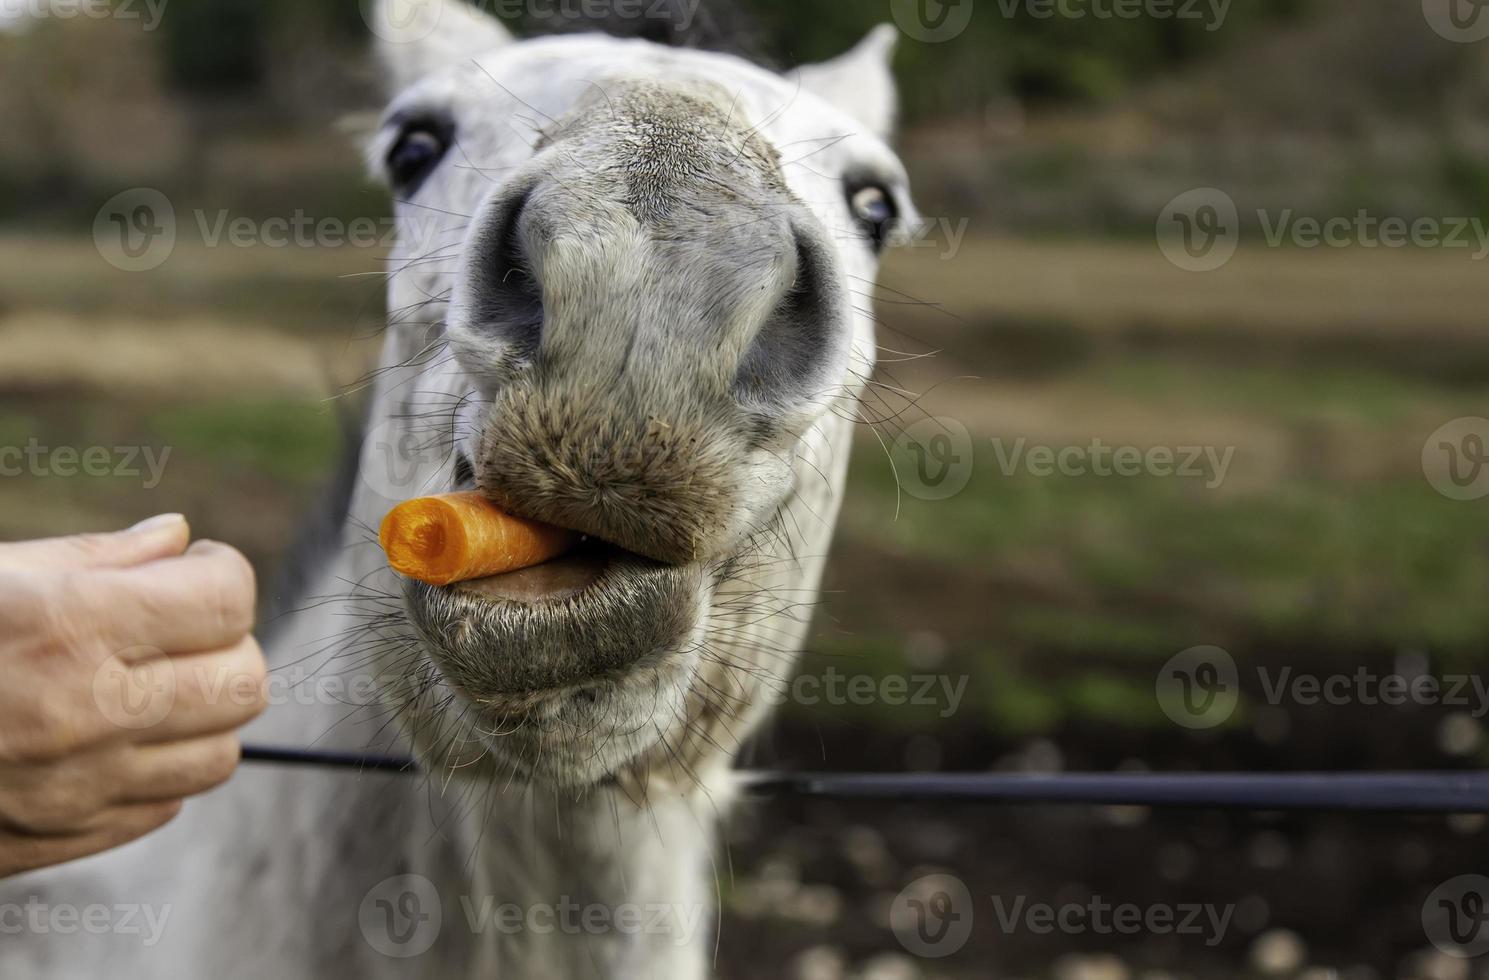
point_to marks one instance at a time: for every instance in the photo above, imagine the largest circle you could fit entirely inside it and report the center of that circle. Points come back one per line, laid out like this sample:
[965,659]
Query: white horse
[632,298]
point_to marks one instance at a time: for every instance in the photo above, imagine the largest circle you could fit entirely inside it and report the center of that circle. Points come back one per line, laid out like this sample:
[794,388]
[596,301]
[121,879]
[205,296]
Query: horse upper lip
[465,482]
[588,538]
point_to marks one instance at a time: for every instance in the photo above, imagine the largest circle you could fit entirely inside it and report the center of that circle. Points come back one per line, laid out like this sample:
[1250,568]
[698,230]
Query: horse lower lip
[562,578]
[513,643]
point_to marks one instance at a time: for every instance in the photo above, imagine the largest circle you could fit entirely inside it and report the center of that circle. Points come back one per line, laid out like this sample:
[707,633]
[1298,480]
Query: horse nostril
[508,299]
[788,357]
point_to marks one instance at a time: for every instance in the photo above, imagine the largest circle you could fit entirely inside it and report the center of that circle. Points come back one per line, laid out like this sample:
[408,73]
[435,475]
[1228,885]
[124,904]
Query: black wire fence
[1390,792]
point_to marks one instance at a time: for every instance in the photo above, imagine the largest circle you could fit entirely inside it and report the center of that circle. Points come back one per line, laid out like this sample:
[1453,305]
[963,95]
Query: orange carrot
[463,536]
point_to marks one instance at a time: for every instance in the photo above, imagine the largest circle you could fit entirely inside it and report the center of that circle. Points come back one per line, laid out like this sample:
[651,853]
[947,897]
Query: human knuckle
[22,603]
[89,547]
[234,591]
[66,612]
[255,674]
[26,749]
[154,815]
[47,729]
[219,761]
[236,685]
[55,805]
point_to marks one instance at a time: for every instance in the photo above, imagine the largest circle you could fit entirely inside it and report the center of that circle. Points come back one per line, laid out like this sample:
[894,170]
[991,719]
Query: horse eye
[414,155]
[875,211]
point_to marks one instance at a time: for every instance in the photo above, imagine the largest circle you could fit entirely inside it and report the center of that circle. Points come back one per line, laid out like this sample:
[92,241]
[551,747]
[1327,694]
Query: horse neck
[597,887]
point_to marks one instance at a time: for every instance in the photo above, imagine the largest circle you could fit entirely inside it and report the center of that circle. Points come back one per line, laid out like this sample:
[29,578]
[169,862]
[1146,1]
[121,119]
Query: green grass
[16,428]
[1390,562]
[1003,692]
[295,442]
[1132,636]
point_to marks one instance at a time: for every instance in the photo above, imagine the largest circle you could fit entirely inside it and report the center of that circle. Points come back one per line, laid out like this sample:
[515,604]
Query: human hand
[128,667]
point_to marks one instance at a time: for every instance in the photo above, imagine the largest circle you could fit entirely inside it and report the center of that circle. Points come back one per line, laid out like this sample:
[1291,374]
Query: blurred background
[994,612]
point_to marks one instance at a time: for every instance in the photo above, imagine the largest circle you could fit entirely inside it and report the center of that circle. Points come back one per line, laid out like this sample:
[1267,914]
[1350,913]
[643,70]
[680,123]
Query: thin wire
[329,759]
[1389,792]
[1395,792]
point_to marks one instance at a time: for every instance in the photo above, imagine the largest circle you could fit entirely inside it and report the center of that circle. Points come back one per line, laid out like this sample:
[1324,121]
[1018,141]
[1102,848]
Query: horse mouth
[580,626]
[562,578]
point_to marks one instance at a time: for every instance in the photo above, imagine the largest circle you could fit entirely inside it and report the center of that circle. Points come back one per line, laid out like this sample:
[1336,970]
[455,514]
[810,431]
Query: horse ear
[416,37]
[861,82]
